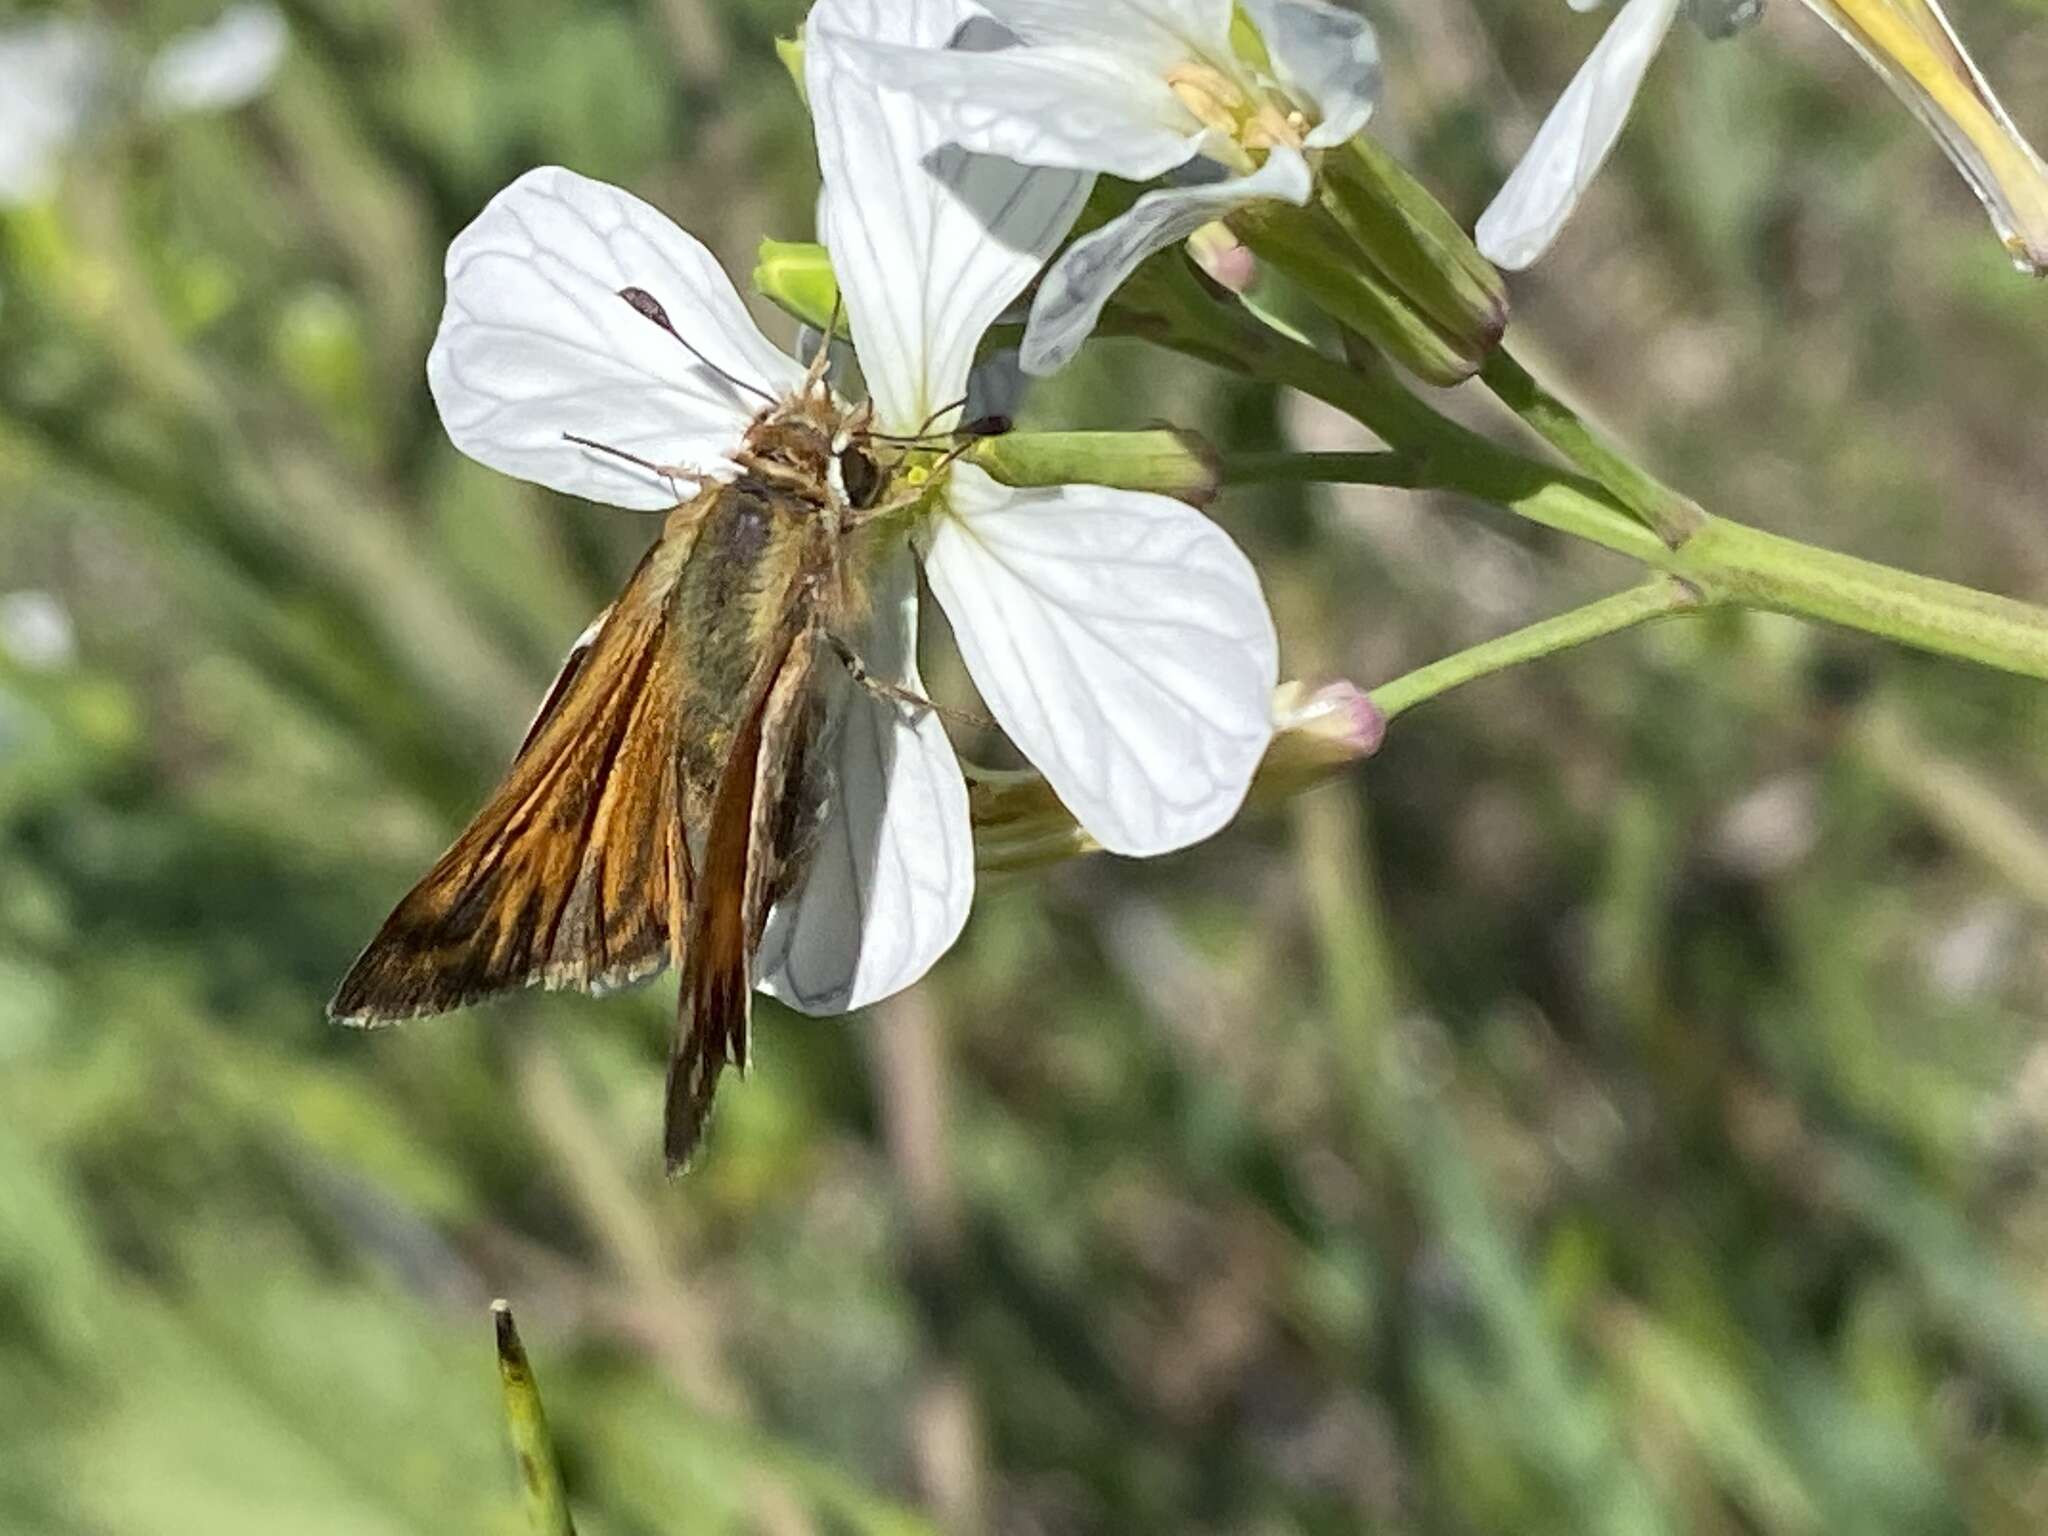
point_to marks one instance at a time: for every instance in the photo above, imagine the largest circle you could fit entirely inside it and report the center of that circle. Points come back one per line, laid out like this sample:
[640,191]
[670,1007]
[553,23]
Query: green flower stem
[1401,471]
[540,1474]
[1660,599]
[1724,560]
[1671,516]
[1764,570]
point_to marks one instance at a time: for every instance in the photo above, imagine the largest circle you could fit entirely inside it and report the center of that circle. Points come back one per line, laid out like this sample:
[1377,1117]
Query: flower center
[1248,119]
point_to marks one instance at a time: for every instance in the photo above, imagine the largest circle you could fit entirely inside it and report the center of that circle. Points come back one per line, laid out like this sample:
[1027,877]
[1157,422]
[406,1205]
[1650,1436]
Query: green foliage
[1637,1132]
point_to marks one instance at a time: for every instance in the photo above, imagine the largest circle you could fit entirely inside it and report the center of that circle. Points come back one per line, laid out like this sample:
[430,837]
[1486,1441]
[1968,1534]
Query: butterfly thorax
[772,555]
[816,448]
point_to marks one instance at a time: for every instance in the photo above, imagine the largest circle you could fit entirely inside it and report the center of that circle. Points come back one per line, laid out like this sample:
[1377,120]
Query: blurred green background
[1618,1108]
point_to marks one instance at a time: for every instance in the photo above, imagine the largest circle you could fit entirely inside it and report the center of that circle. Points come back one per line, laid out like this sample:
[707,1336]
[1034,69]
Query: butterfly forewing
[572,875]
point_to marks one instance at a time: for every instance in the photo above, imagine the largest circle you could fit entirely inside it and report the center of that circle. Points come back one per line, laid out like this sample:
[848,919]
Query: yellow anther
[1271,127]
[1212,97]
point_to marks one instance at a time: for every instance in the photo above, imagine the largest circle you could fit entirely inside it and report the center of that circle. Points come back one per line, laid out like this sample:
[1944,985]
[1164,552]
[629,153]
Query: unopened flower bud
[1318,732]
[1165,460]
[797,276]
[1416,245]
[1310,248]
[1226,259]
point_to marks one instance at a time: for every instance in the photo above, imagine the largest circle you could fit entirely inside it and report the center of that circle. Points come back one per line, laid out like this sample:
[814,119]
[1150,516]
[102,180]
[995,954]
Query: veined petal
[51,72]
[891,877]
[219,66]
[930,242]
[1081,108]
[1327,57]
[1071,297]
[1123,642]
[1575,139]
[1155,35]
[537,342]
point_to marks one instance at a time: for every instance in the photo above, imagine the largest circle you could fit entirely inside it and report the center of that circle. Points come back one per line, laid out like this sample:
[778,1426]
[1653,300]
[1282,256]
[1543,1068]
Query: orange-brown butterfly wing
[749,860]
[576,871]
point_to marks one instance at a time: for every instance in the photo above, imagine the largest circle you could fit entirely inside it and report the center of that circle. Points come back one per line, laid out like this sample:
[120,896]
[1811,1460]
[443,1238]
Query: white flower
[218,67]
[56,73]
[1908,42]
[36,632]
[1121,639]
[1138,89]
[51,71]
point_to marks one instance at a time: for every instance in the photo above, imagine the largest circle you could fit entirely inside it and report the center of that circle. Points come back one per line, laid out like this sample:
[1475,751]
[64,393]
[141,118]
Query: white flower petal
[1152,34]
[1327,57]
[1122,641]
[1575,139]
[1080,108]
[891,877]
[536,342]
[36,632]
[930,243]
[51,73]
[216,67]
[1070,299]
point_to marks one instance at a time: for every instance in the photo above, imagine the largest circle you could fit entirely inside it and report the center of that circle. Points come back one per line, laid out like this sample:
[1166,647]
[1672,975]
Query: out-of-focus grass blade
[540,1474]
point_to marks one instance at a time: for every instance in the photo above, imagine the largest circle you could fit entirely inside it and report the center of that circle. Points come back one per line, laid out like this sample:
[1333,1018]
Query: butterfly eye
[859,474]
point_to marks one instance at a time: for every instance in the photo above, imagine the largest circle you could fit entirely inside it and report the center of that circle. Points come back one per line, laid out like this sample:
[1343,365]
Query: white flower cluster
[1119,638]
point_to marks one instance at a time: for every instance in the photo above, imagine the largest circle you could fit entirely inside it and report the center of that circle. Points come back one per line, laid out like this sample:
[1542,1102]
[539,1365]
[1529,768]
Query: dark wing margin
[564,878]
[733,893]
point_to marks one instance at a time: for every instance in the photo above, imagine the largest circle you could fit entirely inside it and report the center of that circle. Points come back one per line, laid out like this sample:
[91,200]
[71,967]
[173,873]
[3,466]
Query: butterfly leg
[856,518]
[895,693]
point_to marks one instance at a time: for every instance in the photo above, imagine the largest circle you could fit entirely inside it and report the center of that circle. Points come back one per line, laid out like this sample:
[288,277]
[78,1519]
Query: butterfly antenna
[648,305]
[925,437]
[664,472]
[968,432]
[944,410]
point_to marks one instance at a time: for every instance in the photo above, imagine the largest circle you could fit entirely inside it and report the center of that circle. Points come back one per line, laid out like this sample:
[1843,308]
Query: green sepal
[791,51]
